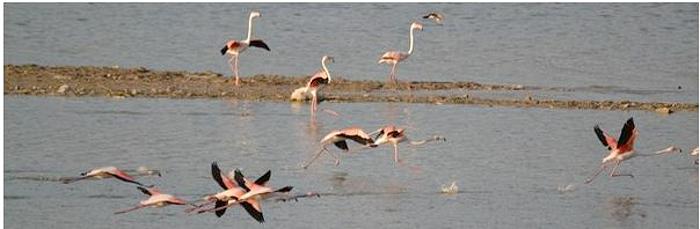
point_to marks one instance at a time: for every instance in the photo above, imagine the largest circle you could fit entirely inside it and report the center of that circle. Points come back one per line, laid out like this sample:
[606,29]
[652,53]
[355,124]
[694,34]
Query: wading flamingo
[231,194]
[102,173]
[235,48]
[621,149]
[392,134]
[394,57]
[338,138]
[318,81]
[157,199]
[435,16]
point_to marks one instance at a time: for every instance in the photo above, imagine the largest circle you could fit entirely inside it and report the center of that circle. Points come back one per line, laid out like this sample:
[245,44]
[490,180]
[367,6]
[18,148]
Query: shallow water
[619,48]
[511,165]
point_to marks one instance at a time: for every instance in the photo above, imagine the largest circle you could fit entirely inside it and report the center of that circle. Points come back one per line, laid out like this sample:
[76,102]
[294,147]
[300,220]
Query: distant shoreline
[141,82]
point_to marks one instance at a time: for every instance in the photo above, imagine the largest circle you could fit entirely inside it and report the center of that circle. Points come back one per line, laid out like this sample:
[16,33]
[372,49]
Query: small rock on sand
[664,110]
[62,89]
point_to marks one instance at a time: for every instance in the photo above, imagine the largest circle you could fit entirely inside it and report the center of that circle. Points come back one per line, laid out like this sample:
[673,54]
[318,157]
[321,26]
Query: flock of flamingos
[239,190]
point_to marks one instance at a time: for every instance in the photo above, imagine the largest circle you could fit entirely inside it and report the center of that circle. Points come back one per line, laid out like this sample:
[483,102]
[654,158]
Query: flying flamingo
[157,199]
[435,16]
[338,138]
[235,48]
[392,134]
[621,149]
[394,57]
[102,173]
[231,194]
[254,190]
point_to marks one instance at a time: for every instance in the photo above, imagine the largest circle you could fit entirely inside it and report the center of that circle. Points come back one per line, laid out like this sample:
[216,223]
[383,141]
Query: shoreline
[142,82]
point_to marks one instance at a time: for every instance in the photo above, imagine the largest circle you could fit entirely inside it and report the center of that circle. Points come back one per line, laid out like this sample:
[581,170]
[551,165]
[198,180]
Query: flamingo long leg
[314,103]
[313,158]
[68,180]
[337,158]
[236,67]
[613,174]
[296,197]
[219,208]
[207,203]
[396,153]
[590,178]
[131,209]
[392,75]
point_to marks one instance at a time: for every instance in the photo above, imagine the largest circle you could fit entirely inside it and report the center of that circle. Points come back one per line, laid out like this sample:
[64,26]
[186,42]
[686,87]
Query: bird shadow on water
[622,209]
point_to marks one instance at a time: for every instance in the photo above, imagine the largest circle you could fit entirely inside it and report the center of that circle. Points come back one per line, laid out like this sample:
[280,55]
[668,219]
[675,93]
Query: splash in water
[451,189]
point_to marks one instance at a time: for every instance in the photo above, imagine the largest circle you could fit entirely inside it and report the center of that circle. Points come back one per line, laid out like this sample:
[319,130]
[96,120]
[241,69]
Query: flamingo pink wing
[604,138]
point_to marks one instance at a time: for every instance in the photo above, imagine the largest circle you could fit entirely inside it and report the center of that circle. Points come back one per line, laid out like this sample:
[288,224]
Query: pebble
[62,89]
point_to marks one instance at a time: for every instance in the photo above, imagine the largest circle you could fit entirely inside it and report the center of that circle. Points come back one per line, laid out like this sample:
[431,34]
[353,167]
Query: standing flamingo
[235,48]
[318,81]
[103,173]
[394,57]
[392,134]
[621,149]
[338,138]
[231,194]
[157,199]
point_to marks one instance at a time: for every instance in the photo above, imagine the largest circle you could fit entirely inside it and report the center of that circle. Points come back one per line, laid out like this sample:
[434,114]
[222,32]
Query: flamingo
[231,194]
[621,149]
[392,134]
[318,81]
[157,199]
[235,48]
[338,138]
[394,57]
[694,153]
[103,173]
[254,191]
[435,16]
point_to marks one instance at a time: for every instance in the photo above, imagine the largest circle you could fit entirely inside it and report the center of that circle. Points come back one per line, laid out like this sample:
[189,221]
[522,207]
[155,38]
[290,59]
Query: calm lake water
[509,164]
[614,51]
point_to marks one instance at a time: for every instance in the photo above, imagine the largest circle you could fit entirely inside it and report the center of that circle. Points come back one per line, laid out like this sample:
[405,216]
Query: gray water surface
[621,49]
[509,164]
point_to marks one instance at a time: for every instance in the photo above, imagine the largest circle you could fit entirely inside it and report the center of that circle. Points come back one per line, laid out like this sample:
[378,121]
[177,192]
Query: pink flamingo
[254,190]
[103,173]
[318,81]
[621,149]
[231,195]
[157,199]
[235,48]
[338,138]
[394,57]
[392,134]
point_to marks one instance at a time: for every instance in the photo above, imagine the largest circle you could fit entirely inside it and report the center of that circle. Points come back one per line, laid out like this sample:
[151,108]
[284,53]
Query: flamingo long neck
[410,42]
[325,69]
[250,28]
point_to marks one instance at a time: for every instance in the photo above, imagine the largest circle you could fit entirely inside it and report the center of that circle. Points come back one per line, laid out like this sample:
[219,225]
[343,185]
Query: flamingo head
[255,14]
[328,59]
[670,149]
[416,25]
